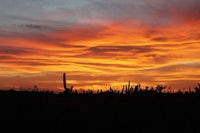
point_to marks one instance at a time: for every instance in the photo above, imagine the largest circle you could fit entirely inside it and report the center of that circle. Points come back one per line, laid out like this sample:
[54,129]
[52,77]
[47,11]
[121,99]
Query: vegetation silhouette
[67,90]
[131,109]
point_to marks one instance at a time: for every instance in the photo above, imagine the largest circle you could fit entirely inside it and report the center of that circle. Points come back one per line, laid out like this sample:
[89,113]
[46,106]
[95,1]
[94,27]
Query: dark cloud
[72,46]
[37,62]
[108,65]
[158,59]
[160,39]
[113,51]
[34,27]
[10,50]
[120,49]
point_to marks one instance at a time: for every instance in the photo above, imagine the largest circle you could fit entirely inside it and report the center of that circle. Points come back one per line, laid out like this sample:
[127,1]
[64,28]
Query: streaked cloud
[99,43]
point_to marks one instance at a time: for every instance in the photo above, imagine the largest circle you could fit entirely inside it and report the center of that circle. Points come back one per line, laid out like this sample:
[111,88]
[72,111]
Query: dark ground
[41,112]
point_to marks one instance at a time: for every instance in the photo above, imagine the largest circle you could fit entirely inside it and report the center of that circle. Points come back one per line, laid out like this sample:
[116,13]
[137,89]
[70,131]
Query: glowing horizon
[99,43]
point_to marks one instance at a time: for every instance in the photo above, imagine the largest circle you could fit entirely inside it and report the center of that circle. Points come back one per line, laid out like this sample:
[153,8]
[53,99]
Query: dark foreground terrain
[98,113]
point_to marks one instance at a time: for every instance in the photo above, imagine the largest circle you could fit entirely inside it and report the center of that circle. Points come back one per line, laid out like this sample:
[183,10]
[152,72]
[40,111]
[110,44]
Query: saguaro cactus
[67,90]
[64,82]
[129,85]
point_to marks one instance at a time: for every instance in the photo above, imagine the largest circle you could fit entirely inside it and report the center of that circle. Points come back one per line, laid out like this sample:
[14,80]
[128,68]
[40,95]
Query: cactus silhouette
[122,92]
[64,81]
[129,84]
[67,90]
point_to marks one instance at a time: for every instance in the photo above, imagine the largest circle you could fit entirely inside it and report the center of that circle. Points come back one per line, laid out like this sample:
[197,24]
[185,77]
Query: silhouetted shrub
[197,88]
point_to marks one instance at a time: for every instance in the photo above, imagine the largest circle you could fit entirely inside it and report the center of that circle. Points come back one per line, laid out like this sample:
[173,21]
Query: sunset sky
[99,43]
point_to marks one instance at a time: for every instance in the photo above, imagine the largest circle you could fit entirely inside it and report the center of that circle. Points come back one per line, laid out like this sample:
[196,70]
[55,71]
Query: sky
[99,43]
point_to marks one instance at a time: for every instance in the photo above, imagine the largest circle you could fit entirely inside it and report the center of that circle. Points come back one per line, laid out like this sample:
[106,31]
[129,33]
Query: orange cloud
[103,54]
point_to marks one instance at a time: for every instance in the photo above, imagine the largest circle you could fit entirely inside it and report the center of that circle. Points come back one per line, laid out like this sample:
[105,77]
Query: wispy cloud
[100,43]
